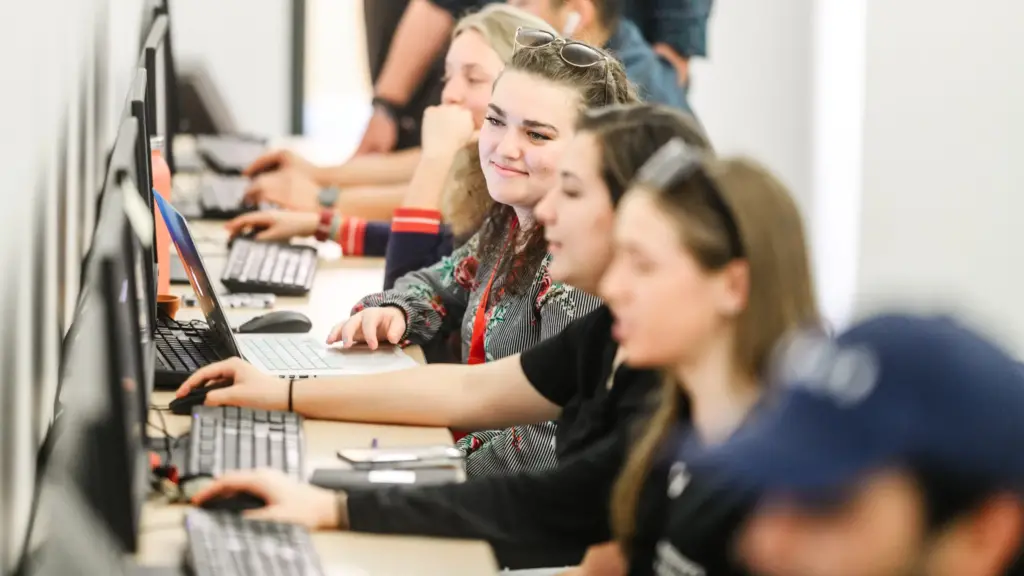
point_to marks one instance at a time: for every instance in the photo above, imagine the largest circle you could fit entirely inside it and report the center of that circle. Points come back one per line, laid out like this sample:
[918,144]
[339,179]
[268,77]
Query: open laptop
[283,355]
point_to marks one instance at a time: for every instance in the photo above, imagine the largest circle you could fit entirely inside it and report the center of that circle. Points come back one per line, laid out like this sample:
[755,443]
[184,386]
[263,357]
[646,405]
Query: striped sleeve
[418,240]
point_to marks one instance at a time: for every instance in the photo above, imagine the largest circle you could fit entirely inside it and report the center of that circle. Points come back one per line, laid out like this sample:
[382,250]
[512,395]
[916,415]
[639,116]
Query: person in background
[710,274]
[495,292]
[448,165]
[421,35]
[531,520]
[601,23]
[892,449]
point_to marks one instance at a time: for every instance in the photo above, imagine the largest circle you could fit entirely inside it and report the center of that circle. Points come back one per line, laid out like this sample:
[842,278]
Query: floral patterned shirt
[444,298]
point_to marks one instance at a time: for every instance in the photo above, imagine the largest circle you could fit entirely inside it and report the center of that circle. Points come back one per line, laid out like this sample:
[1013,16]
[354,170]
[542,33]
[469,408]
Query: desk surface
[339,283]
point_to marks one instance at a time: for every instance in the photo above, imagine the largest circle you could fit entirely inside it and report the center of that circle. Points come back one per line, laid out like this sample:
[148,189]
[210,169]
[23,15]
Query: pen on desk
[373,443]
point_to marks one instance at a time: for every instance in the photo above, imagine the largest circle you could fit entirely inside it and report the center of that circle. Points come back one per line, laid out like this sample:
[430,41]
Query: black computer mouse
[238,502]
[277,322]
[249,234]
[183,406]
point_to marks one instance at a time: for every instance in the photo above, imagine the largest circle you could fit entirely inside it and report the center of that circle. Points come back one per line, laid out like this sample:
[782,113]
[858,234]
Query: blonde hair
[780,300]
[465,201]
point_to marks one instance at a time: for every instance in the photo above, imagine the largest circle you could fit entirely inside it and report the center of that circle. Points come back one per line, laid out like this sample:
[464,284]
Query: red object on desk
[162,186]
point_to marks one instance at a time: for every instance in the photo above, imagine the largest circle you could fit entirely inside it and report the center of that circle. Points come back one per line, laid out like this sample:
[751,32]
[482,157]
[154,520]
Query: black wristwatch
[388,107]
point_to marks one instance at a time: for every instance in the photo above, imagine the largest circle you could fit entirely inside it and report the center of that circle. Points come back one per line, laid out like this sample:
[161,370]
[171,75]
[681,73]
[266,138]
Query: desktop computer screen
[103,391]
[158,62]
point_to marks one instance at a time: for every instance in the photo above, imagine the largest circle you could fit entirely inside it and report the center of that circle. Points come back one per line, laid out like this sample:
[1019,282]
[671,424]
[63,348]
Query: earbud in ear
[572,21]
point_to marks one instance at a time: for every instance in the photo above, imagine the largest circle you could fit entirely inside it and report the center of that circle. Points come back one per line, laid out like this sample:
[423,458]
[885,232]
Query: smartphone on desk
[401,458]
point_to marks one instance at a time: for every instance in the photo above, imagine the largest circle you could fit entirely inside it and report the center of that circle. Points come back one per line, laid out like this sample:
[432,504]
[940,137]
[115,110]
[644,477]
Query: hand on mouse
[288,189]
[276,224]
[251,388]
[370,325]
[282,160]
[287,500]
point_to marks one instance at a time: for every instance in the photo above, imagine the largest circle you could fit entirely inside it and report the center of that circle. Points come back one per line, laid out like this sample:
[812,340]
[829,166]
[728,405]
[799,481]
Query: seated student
[892,449]
[600,23]
[540,519]
[726,239]
[414,238]
[482,43]
[495,291]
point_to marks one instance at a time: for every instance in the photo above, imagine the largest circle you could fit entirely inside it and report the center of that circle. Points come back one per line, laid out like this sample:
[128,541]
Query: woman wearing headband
[539,519]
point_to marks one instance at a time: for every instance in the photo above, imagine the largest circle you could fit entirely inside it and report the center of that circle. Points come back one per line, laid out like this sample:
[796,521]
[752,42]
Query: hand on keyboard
[280,160]
[370,325]
[251,388]
[275,224]
[289,189]
[287,500]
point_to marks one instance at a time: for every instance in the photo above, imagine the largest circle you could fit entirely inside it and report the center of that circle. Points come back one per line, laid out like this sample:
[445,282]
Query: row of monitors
[94,414]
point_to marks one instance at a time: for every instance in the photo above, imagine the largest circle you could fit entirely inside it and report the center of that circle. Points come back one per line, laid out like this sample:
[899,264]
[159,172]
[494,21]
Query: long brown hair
[628,134]
[597,85]
[780,299]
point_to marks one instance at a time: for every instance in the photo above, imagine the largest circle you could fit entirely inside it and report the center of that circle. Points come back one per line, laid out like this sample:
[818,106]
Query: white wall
[943,192]
[246,47]
[754,94]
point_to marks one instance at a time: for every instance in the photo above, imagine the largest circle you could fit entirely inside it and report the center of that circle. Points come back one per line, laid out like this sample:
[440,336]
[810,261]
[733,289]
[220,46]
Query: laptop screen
[197,276]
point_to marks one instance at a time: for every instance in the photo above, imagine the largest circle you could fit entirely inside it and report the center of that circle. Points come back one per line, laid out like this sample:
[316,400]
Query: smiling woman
[495,291]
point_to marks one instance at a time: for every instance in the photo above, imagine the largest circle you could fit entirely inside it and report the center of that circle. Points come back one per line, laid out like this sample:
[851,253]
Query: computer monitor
[103,389]
[156,58]
[138,102]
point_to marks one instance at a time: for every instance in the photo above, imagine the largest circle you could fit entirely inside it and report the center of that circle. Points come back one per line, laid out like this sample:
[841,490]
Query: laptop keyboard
[269,267]
[223,194]
[291,353]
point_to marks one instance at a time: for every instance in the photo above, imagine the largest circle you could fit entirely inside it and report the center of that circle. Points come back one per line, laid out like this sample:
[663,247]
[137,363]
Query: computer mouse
[277,322]
[238,502]
[249,234]
[183,406]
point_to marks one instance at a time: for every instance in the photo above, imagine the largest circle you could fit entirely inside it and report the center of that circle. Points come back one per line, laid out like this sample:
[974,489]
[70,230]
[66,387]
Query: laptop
[283,355]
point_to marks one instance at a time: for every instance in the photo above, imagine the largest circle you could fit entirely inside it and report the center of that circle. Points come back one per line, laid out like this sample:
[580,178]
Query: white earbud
[571,23]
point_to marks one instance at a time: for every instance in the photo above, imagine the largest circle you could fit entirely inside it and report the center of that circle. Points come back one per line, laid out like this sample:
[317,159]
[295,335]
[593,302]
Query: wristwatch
[328,196]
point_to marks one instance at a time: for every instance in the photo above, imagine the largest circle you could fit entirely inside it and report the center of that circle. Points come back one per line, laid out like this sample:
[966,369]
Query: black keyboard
[181,349]
[225,544]
[222,196]
[269,268]
[225,438]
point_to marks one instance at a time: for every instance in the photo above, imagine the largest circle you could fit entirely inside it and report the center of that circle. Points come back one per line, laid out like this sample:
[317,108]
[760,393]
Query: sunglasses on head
[572,52]
[676,162]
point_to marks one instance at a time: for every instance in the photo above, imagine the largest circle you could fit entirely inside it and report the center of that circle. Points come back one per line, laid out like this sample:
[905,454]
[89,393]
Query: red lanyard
[477,349]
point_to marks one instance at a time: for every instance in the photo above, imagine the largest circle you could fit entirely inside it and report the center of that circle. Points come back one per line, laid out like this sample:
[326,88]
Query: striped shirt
[444,298]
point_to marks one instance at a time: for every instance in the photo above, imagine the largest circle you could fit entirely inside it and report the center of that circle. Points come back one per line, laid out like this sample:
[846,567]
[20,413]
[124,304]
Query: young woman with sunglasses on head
[531,519]
[495,291]
[414,238]
[711,272]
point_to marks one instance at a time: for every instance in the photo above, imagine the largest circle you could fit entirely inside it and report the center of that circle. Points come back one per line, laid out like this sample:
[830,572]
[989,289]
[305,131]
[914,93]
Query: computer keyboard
[269,267]
[223,196]
[225,544]
[225,438]
[181,349]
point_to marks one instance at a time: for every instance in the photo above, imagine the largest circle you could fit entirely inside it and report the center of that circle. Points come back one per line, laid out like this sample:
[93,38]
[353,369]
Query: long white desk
[338,285]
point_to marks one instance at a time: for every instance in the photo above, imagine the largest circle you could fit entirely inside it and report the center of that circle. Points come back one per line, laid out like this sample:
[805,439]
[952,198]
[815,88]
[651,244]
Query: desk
[339,283]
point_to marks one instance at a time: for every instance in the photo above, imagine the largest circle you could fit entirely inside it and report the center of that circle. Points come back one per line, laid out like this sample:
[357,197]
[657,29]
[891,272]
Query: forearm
[372,170]
[419,38]
[441,395]
[370,202]
[428,181]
